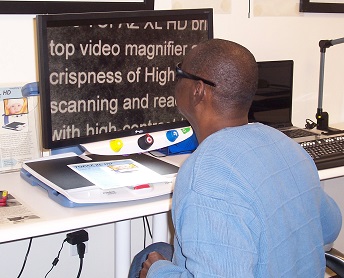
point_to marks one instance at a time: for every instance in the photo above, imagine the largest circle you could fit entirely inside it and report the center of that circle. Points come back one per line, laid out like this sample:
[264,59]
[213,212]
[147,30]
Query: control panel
[139,143]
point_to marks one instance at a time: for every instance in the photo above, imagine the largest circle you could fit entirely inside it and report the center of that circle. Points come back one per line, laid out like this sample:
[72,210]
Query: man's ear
[199,93]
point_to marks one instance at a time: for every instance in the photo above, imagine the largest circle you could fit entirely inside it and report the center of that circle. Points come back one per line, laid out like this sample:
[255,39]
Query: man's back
[248,202]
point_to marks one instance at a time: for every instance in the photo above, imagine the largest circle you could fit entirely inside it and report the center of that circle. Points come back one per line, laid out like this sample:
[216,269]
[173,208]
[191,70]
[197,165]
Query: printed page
[117,173]
[19,128]
[15,212]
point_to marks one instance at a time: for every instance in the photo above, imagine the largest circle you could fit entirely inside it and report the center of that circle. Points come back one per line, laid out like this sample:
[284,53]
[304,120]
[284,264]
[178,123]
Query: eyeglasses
[182,74]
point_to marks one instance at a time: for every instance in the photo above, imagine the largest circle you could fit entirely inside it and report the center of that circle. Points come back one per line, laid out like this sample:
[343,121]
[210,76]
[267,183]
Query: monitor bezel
[55,7]
[43,21]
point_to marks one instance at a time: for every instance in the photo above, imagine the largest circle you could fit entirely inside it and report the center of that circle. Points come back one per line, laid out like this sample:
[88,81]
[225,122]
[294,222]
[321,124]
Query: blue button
[172,135]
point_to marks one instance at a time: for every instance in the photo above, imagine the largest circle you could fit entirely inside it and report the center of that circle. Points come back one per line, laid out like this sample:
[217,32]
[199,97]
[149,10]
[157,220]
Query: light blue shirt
[248,203]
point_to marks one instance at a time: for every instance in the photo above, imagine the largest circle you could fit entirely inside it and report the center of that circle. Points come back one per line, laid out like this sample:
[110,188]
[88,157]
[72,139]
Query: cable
[157,154]
[149,229]
[145,220]
[25,259]
[56,260]
[80,268]
[81,247]
[310,124]
[78,238]
[144,233]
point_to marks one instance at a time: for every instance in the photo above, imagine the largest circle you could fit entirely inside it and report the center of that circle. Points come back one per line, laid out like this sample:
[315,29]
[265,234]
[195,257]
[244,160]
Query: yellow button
[116,145]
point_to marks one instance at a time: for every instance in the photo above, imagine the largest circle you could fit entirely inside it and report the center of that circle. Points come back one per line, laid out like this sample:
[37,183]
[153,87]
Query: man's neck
[209,128]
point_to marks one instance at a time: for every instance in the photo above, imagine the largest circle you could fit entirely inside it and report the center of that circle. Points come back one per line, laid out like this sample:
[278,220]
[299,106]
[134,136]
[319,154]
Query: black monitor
[112,75]
[272,103]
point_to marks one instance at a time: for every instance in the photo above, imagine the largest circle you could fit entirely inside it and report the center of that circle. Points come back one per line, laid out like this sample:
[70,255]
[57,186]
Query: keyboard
[326,152]
[297,133]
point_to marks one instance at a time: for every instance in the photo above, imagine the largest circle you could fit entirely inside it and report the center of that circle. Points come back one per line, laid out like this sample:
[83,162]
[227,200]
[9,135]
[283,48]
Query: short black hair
[231,67]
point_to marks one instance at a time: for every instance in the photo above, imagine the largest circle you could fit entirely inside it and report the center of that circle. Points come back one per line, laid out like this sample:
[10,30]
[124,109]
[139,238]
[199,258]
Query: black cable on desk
[25,259]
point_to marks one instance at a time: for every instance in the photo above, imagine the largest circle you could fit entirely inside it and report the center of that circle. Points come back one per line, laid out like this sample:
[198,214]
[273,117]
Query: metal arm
[321,116]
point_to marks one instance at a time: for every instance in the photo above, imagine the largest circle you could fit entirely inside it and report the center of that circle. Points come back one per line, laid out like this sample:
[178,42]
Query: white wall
[294,36]
[269,36]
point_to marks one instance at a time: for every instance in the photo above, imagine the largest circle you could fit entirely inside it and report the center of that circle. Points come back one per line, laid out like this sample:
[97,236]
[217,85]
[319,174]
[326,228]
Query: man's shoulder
[248,148]
[241,138]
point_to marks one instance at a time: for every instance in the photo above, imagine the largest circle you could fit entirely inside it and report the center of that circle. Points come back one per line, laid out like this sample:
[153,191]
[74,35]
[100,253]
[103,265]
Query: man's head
[223,93]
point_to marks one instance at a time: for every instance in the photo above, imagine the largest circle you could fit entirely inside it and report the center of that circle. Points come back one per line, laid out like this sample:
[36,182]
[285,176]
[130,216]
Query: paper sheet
[15,212]
[117,173]
[19,128]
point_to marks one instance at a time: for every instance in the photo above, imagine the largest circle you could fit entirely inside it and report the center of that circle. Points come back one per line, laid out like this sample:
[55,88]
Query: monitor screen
[111,75]
[272,102]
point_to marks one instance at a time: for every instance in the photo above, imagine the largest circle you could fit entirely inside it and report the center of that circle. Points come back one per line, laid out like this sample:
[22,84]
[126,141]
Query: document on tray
[117,173]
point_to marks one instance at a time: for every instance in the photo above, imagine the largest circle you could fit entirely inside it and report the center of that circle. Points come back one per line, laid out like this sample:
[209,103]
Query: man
[248,201]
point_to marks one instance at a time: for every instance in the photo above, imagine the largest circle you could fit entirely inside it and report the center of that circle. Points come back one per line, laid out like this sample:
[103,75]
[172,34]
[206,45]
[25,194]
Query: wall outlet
[73,249]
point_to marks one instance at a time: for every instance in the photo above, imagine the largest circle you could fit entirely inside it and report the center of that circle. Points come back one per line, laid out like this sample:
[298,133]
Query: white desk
[55,219]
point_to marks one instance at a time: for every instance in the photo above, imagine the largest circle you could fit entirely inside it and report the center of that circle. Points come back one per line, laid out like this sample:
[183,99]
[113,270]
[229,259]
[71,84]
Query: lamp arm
[337,41]
[321,116]
[323,44]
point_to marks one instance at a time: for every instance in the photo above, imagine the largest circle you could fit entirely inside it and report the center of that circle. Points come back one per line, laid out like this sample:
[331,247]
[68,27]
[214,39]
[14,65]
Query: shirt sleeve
[331,219]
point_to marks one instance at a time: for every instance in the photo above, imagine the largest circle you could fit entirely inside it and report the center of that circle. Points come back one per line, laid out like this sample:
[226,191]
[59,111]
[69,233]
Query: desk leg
[160,227]
[122,248]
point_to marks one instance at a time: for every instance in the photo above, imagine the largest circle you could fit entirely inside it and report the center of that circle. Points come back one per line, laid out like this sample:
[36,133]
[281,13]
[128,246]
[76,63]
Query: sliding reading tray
[70,189]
